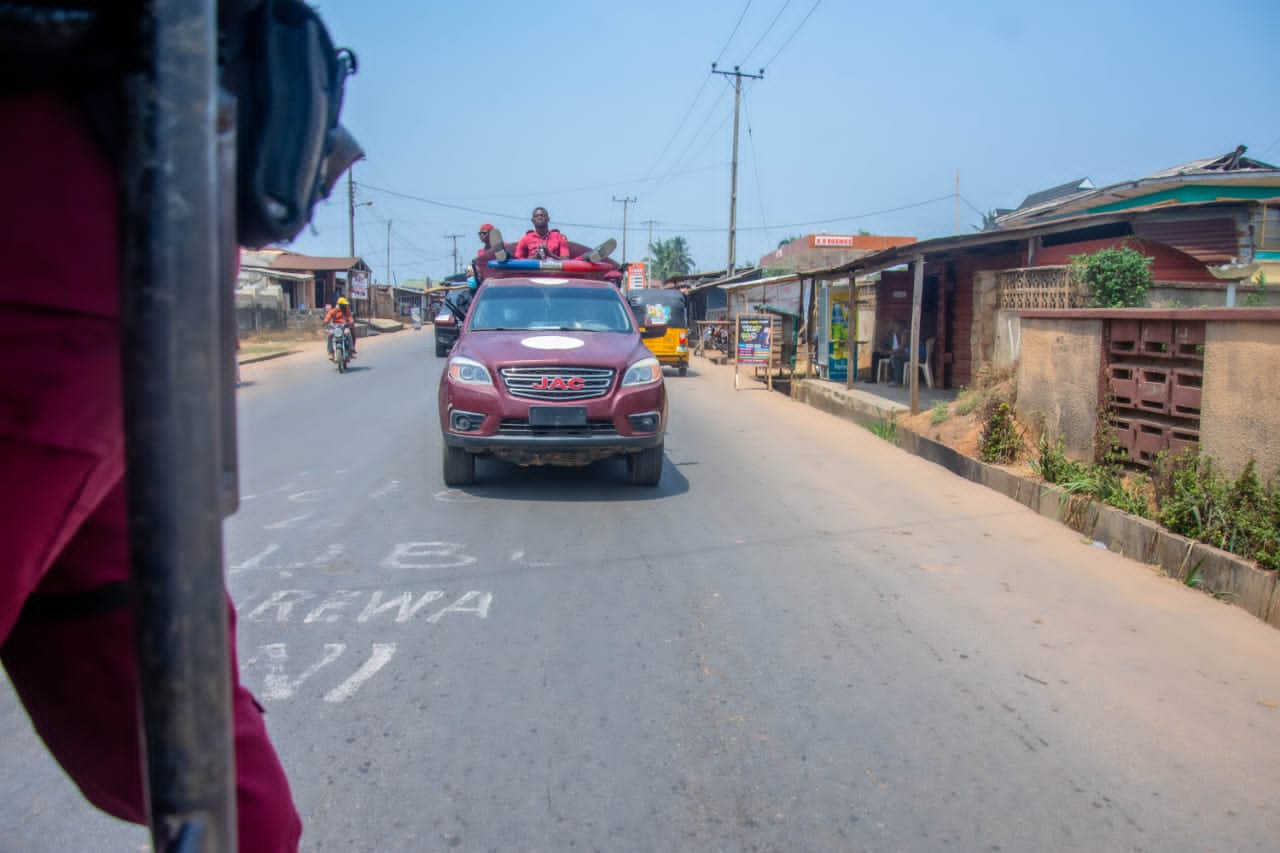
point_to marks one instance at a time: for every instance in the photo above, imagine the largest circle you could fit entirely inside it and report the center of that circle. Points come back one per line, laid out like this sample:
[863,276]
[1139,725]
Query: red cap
[486,227]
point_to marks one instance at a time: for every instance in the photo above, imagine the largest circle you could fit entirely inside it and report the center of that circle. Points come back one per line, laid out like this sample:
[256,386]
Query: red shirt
[554,243]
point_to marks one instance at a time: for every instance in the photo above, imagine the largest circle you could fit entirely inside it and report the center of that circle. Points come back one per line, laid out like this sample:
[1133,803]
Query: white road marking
[283,601]
[427,555]
[401,602]
[382,653]
[280,525]
[277,684]
[256,560]
[481,609]
[336,601]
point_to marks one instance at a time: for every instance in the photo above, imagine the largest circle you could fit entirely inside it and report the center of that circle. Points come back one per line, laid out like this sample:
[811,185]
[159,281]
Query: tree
[784,242]
[670,258]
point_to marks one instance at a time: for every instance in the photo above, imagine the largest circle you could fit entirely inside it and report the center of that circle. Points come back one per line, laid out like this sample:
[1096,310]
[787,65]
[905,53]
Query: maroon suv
[552,371]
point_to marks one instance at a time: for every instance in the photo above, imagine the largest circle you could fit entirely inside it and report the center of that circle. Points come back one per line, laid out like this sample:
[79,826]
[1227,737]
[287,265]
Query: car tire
[459,467]
[645,468]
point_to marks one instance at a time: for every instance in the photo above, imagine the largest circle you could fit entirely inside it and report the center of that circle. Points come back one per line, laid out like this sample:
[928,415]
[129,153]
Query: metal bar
[171,357]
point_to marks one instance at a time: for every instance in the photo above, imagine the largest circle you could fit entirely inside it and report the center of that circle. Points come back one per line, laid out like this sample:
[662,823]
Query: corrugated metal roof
[309,263]
[1210,241]
[1059,192]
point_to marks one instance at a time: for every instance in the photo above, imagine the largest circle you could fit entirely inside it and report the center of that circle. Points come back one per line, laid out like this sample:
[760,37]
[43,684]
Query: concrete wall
[1240,402]
[1058,379]
[1008,341]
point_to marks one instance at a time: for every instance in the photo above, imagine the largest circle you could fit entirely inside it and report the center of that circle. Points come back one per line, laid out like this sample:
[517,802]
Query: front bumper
[618,424]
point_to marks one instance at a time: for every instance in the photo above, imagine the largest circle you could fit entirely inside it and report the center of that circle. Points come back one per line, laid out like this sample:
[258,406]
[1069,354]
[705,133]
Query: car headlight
[644,372]
[468,372]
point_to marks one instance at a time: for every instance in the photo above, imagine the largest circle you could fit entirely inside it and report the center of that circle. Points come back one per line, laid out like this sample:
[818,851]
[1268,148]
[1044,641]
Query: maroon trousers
[62,511]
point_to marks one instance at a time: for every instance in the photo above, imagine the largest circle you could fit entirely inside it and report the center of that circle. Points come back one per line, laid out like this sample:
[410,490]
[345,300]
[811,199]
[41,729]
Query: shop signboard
[754,337]
[359,284]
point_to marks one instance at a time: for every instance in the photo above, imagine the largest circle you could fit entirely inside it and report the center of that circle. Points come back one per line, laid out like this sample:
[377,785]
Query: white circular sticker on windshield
[552,342]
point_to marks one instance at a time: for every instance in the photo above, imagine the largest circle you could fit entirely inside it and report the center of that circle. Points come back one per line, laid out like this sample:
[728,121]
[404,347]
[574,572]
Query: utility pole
[351,212]
[733,180]
[648,247]
[626,200]
[454,238]
[372,302]
[957,201]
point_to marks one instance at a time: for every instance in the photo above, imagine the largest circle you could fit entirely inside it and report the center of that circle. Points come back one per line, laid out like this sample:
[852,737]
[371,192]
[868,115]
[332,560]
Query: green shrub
[940,412]
[1001,440]
[1116,278]
[1240,516]
[1103,482]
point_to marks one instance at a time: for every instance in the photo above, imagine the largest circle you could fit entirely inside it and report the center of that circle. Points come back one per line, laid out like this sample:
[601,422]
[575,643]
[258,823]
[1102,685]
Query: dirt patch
[960,423]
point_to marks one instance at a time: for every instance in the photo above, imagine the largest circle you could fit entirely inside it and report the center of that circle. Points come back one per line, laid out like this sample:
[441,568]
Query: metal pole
[173,279]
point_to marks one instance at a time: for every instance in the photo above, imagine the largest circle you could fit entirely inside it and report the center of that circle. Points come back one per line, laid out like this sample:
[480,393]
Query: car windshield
[659,308]
[539,308]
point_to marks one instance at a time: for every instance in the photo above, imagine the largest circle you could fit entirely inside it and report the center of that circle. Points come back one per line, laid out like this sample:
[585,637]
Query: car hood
[533,348]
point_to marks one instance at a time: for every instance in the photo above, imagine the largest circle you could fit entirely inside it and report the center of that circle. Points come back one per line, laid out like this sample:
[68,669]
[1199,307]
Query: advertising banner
[636,276]
[359,281]
[755,336]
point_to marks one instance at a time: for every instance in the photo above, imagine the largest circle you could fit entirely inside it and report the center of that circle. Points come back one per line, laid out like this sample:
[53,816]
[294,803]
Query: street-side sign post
[753,344]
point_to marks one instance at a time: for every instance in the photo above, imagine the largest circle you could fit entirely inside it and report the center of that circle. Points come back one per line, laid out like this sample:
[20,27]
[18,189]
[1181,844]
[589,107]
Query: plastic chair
[884,371]
[923,364]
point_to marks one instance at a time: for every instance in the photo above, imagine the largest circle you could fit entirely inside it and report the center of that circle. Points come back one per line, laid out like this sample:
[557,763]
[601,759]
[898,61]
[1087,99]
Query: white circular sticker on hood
[552,342]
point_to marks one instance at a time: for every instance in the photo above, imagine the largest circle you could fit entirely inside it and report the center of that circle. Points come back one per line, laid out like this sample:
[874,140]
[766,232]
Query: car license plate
[557,416]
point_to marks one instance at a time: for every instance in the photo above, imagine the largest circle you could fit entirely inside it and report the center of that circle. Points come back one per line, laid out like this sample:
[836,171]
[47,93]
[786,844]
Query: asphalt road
[803,640]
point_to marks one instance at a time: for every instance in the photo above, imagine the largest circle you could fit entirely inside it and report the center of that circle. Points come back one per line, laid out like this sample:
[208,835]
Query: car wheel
[645,468]
[459,467]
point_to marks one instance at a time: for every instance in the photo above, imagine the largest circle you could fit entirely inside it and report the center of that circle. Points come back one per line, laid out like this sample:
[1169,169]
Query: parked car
[552,371]
[448,319]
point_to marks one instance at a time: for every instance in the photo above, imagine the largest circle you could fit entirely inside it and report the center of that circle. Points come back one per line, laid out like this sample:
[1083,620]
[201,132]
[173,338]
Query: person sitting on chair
[891,343]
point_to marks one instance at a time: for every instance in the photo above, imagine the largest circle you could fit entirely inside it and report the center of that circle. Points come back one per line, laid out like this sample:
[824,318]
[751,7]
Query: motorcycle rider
[340,315]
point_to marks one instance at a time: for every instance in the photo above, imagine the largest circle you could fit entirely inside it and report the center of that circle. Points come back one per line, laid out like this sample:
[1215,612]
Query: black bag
[288,79]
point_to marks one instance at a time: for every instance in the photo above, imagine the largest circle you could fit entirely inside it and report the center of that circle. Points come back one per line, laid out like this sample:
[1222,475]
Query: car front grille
[514,427]
[557,383]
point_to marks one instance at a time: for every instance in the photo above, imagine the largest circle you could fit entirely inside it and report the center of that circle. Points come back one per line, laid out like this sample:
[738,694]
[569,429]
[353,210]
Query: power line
[679,127]
[812,9]
[677,227]
[755,167]
[767,30]
[734,33]
[694,138]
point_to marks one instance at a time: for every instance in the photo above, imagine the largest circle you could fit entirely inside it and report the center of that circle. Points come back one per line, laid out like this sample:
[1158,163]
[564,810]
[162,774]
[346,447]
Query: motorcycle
[340,345]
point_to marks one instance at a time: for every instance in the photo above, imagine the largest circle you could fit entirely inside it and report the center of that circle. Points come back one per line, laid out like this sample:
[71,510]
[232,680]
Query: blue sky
[480,112]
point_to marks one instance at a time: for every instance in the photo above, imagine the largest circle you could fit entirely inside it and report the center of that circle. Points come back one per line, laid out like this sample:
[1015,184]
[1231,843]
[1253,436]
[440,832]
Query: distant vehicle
[664,307]
[448,319]
[552,371]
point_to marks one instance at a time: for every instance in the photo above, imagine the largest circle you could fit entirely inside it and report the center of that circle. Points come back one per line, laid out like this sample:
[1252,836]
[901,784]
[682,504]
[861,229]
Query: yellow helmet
[342,300]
